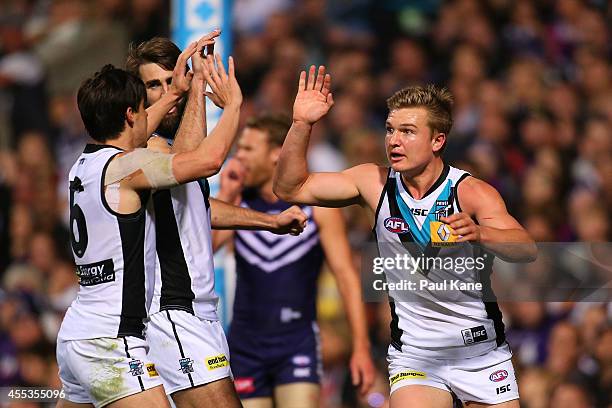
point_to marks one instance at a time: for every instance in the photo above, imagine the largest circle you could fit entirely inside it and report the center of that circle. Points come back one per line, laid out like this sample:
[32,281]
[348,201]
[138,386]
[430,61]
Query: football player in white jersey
[450,358]
[101,352]
[187,341]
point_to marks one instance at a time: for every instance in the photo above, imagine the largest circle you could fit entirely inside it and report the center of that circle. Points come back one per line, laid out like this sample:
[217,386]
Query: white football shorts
[487,379]
[101,371]
[187,350]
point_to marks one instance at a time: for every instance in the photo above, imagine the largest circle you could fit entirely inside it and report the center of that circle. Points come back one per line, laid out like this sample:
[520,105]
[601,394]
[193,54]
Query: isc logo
[498,376]
[502,389]
[419,212]
[396,225]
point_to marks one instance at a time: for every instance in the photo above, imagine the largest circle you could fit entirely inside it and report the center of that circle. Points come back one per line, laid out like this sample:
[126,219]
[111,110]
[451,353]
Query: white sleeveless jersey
[435,321]
[184,270]
[110,252]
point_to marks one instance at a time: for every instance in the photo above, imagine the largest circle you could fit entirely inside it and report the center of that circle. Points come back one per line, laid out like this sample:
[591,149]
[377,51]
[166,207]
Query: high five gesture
[314,97]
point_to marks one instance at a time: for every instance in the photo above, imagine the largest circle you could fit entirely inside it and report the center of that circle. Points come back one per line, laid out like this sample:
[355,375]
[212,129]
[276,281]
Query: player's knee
[420,396]
[220,394]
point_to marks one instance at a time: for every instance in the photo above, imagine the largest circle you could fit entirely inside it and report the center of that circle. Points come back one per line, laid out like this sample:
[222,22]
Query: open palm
[313,99]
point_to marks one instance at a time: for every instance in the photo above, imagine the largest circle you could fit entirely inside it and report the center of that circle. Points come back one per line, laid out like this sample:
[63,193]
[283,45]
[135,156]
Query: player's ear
[438,141]
[129,116]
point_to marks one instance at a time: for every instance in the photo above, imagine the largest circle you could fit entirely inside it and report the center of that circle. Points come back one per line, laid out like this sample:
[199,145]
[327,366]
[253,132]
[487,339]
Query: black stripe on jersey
[176,290]
[380,200]
[127,353]
[92,147]
[463,177]
[396,332]
[133,309]
[435,185]
[205,187]
[178,341]
[491,307]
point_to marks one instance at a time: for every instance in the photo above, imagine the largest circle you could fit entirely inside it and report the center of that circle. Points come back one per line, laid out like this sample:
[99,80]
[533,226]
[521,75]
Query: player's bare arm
[332,231]
[293,182]
[143,169]
[497,230]
[192,128]
[227,215]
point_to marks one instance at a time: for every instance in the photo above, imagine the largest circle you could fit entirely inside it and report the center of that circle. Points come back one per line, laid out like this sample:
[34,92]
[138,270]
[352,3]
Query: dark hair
[437,101]
[157,50]
[104,98]
[275,125]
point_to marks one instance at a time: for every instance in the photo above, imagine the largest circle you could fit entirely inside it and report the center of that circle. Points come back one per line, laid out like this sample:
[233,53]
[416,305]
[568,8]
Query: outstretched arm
[145,169]
[292,181]
[227,215]
[218,143]
[225,218]
[332,230]
[192,129]
[496,230]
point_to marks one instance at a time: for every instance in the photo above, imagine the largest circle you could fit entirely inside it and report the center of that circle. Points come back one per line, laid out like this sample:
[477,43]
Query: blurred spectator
[570,395]
[563,350]
[535,386]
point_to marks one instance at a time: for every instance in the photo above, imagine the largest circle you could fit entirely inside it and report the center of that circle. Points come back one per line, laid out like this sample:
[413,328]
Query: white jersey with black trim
[111,254]
[184,269]
[428,320]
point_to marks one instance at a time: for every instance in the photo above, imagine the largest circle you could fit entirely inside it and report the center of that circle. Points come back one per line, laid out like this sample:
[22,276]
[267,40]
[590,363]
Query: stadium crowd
[532,83]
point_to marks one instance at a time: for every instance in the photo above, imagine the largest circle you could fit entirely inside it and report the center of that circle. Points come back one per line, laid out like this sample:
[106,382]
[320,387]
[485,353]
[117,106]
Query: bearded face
[171,121]
[158,80]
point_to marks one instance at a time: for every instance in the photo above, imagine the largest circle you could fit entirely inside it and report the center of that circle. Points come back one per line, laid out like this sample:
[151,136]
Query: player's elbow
[213,163]
[283,191]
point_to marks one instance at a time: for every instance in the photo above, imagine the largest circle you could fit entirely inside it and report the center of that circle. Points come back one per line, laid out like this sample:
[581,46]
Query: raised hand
[207,42]
[291,221]
[314,97]
[181,76]
[225,88]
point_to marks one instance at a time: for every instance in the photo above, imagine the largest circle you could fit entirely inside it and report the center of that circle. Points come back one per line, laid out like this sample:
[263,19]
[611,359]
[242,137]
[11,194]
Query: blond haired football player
[441,349]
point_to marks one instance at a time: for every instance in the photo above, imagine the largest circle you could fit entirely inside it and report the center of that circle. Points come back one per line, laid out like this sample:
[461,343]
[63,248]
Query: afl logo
[498,376]
[396,225]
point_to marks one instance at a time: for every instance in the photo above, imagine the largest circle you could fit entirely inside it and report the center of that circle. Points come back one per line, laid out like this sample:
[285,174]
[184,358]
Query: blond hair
[437,101]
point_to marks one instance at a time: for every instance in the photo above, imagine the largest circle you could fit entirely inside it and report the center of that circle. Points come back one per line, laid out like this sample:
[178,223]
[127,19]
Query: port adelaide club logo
[396,225]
